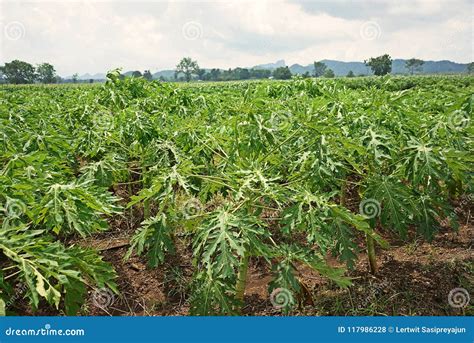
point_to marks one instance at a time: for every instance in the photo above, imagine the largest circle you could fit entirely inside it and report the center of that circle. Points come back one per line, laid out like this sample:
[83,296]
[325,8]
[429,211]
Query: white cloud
[94,36]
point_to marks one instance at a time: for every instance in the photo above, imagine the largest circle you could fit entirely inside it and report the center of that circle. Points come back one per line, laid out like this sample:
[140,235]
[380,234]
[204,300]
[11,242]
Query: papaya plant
[283,173]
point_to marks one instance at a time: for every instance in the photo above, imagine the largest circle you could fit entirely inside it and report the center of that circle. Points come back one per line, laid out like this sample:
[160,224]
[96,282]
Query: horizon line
[252,67]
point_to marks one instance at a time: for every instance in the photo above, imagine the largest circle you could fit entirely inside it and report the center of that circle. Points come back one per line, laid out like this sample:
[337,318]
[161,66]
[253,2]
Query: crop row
[237,170]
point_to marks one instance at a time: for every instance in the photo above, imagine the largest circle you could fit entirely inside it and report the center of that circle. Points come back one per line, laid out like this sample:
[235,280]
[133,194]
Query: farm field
[347,196]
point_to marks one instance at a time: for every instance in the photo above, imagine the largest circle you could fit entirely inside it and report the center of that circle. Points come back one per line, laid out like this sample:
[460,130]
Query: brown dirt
[414,278]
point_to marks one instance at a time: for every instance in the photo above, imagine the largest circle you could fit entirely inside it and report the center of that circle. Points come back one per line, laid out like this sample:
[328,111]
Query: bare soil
[414,278]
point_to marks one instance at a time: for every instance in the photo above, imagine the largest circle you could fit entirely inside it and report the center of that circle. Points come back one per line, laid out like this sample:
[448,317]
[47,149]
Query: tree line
[381,65]
[20,72]
[188,69]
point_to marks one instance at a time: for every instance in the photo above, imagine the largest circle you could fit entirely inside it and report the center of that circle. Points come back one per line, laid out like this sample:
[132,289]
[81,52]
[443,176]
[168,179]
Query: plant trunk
[146,203]
[146,209]
[342,200]
[130,193]
[371,254]
[242,278]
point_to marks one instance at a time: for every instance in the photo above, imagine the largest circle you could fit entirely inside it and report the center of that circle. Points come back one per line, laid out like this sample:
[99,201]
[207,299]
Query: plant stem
[146,209]
[371,254]
[130,193]
[146,203]
[342,201]
[242,278]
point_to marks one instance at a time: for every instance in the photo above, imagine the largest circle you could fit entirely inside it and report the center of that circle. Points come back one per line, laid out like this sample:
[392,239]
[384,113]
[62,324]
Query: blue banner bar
[237,329]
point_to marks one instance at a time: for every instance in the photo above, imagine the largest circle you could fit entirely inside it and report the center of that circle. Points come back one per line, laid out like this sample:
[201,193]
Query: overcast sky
[95,36]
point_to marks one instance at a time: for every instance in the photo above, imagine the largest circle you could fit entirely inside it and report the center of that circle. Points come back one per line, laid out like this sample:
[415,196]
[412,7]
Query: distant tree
[147,75]
[227,75]
[350,74]
[414,64]
[240,74]
[319,69]
[244,74]
[137,73]
[329,73]
[46,73]
[91,80]
[188,67]
[305,75]
[75,77]
[200,73]
[260,73]
[381,65]
[214,74]
[18,72]
[470,68]
[282,73]
[162,79]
